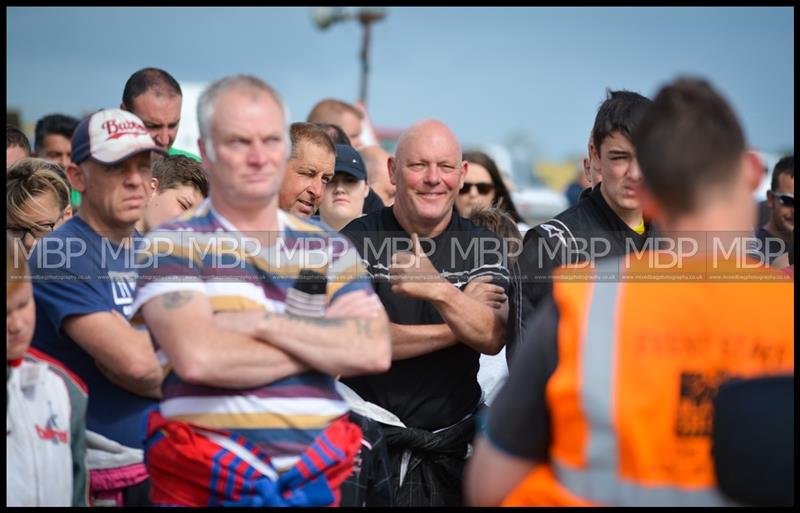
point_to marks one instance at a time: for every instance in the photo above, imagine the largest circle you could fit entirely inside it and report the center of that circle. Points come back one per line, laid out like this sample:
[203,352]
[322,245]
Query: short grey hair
[208,101]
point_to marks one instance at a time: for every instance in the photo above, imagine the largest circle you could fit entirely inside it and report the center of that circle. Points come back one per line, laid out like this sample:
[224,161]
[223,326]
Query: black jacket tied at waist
[427,468]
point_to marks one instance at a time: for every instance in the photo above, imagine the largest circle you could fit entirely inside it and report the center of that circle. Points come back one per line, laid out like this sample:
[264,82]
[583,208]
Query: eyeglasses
[483,188]
[787,200]
[37,231]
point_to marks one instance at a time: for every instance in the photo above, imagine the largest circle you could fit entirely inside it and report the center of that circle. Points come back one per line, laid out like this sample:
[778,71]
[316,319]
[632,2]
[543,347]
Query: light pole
[324,17]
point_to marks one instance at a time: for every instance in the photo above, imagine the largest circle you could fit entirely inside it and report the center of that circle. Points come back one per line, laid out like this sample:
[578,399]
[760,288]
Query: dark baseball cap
[349,161]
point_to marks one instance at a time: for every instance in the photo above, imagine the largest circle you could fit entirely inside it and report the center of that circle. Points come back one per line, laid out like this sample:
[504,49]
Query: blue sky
[530,74]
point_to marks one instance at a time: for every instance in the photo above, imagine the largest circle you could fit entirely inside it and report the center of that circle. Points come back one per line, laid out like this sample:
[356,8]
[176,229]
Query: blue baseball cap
[349,161]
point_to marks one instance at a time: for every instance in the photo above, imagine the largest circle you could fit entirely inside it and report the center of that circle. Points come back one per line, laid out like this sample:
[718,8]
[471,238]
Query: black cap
[349,161]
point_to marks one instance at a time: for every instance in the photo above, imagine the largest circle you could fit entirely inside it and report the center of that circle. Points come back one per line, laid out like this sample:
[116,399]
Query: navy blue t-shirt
[75,271]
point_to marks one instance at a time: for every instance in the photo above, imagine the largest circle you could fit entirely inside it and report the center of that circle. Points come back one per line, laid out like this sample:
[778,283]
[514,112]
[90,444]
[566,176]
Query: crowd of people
[294,317]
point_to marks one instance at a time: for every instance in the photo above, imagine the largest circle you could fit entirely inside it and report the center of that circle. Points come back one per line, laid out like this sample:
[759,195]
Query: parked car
[538,203]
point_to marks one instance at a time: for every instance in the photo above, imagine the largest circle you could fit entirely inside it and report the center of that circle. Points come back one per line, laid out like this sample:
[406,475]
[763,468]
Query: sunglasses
[483,188]
[787,200]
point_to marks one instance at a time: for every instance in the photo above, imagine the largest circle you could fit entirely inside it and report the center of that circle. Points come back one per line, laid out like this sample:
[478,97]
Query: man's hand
[412,274]
[481,289]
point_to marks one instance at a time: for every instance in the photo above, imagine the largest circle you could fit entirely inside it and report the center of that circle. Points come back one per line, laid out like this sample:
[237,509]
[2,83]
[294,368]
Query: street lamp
[324,17]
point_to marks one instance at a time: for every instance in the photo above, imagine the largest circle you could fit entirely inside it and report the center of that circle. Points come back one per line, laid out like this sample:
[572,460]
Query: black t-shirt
[437,389]
[372,203]
[771,247]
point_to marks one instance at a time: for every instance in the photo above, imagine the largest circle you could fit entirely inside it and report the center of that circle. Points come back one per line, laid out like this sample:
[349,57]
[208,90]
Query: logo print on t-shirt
[122,287]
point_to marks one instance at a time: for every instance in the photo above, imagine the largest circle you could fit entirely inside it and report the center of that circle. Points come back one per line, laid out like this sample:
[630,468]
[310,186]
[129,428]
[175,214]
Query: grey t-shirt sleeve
[519,423]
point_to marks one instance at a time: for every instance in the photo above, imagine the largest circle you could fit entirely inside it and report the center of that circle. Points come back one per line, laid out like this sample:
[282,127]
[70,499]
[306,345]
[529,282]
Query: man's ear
[77,177]
[201,145]
[67,213]
[753,169]
[594,153]
[392,163]
[153,186]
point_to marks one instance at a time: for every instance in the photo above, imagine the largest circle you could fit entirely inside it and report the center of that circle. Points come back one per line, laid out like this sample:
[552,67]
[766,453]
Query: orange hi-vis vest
[639,364]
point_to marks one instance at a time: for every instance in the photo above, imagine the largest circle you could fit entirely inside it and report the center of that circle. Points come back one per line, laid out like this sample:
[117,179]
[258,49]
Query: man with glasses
[775,236]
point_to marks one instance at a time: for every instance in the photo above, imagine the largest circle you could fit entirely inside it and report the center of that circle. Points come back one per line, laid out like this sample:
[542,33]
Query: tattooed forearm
[363,327]
[320,321]
[175,300]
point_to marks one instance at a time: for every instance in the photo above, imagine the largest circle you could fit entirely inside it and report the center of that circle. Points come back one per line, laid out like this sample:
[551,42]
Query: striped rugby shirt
[203,252]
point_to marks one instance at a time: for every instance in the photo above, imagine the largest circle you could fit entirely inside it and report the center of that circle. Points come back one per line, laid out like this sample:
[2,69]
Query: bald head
[428,171]
[428,132]
[342,114]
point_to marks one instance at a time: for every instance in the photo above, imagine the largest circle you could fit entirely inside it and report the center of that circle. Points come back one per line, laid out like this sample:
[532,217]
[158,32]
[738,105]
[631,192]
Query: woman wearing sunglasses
[37,200]
[484,187]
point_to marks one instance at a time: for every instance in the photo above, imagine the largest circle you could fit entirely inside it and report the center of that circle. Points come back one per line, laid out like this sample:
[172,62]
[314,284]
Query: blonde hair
[499,221]
[30,177]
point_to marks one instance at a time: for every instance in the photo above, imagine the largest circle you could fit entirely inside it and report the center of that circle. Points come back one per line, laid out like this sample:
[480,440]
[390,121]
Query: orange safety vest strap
[604,486]
[541,488]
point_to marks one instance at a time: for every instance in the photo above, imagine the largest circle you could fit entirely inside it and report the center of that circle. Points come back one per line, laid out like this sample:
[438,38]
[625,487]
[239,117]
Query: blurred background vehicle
[535,201]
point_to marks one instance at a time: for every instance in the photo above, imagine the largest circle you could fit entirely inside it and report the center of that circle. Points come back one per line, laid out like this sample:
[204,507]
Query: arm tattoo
[318,321]
[175,300]
[363,327]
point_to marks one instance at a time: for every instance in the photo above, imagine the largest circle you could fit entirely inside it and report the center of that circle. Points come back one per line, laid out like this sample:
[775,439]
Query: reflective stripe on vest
[599,481]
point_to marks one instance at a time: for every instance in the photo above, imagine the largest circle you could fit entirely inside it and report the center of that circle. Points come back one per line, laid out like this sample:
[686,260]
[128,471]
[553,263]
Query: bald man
[342,114]
[443,282]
